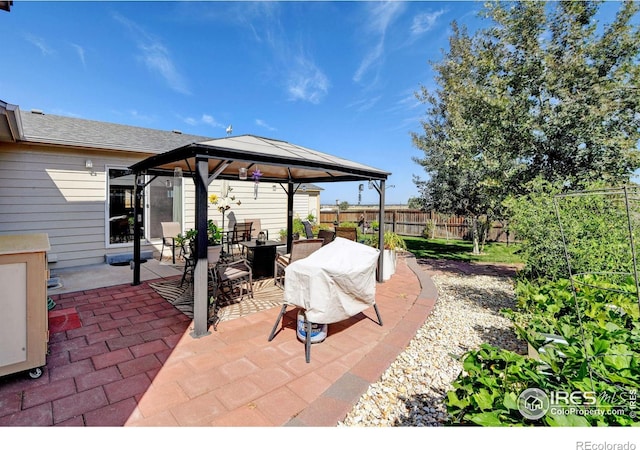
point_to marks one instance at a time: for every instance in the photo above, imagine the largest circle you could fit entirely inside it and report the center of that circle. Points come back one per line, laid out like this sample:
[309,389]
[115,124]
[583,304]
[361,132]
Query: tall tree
[543,92]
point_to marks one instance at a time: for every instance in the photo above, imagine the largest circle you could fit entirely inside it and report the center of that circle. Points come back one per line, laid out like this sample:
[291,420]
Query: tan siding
[300,206]
[270,207]
[48,191]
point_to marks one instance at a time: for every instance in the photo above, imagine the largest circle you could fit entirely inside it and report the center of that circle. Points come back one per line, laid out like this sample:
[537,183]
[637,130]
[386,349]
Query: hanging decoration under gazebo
[256,174]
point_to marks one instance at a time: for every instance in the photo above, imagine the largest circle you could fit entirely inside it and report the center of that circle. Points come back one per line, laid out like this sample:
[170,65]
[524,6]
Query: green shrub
[534,224]
[592,227]
[581,288]
[429,228]
[601,357]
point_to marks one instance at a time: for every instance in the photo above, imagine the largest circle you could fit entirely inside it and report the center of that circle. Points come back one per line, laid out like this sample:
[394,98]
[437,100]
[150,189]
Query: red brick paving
[134,363]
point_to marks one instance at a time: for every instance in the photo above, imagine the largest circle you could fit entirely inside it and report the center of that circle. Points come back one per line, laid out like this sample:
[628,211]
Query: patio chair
[214,253]
[308,230]
[170,230]
[189,262]
[350,233]
[327,290]
[256,228]
[327,236]
[234,279]
[299,249]
[241,233]
[120,229]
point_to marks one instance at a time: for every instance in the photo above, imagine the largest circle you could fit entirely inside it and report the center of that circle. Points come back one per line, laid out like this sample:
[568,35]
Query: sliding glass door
[162,203]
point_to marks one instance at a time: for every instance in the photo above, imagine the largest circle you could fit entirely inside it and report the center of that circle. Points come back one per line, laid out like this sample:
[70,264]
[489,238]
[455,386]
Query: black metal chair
[234,279]
[241,233]
[189,262]
[299,249]
[256,228]
[327,236]
[308,230]
[350,233]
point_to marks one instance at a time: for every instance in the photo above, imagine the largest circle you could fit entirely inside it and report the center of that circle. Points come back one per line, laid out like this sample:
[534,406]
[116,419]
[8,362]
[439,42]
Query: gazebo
[280,162]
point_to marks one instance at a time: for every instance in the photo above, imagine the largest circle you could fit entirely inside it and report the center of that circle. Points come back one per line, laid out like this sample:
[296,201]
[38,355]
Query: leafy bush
[535,225]
[601,357]
[298,226]
[487,391]
[392,241]
[592,226]
[580,305]
[214,235]
[429,228]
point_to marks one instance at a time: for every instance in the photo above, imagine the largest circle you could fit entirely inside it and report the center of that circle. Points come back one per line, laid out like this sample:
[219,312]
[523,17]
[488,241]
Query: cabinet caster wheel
[35,373]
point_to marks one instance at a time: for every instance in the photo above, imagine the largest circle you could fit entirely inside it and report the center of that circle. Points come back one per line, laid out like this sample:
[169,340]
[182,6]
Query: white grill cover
[335,282]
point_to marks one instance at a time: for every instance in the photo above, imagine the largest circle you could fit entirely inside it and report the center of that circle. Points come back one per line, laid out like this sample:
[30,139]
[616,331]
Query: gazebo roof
[278,161]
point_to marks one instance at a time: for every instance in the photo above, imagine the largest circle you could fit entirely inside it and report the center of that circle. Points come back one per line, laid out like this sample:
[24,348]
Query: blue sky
[338,77]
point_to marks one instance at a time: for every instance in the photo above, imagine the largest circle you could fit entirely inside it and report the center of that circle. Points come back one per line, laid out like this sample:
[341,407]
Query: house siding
[45,191]
[270,206]
[49,190]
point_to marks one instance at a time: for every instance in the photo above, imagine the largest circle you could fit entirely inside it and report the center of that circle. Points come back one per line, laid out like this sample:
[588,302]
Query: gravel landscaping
[412,390]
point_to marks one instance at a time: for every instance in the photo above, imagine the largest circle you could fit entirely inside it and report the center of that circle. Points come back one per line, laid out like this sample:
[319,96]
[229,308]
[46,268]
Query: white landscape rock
[412,390]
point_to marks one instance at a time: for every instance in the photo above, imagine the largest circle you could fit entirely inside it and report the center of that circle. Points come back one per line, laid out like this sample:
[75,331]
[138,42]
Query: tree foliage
[415,203]
[545,92]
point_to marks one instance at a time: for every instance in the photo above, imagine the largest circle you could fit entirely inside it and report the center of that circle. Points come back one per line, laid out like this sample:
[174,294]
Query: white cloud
[371,59]
[155,56]
[306,82]
[303,79]
[263,124]
[378,19]
[365,104]
[80,52]
[205,119]
[40,43]
[140,117]
[425,22]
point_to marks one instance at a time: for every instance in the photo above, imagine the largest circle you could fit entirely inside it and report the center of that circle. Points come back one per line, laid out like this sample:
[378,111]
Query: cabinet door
[13,319]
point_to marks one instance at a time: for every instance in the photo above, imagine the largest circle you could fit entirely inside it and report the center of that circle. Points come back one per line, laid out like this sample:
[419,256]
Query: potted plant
[214,233]
[214,236]
[393,243]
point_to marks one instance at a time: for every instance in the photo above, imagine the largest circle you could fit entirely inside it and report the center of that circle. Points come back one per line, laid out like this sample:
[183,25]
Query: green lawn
[459,250]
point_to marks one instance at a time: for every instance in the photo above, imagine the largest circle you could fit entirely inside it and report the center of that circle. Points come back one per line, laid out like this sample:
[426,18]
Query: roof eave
[10,123]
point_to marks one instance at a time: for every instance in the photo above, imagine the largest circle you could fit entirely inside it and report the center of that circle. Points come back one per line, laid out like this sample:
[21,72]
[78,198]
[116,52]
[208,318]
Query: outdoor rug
[265,295]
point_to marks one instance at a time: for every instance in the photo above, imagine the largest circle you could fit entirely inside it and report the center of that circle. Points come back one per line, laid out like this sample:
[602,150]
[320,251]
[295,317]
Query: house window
[162,203]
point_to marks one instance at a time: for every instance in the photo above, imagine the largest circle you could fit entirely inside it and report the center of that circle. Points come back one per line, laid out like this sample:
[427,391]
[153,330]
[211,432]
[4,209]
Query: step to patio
[126,258]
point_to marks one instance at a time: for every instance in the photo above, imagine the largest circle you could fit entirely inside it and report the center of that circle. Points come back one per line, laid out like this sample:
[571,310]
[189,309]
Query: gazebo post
[381,231]
[137,224]
[290,193]
[200,273]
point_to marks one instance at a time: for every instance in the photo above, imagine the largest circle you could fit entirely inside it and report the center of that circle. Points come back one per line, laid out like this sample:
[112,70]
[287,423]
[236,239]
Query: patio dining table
[261,256]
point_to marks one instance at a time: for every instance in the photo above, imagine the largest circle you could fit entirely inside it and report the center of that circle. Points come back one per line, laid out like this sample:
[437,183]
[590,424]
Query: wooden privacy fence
[411,222]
